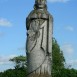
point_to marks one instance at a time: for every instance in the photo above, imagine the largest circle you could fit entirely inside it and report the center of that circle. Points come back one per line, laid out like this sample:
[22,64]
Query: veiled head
[40,2]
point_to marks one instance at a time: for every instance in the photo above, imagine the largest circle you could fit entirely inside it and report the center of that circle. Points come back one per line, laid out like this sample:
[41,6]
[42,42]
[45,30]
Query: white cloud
[58,1]
[68,48]
[69,28]
[5,59]
[4,22]
[71,64]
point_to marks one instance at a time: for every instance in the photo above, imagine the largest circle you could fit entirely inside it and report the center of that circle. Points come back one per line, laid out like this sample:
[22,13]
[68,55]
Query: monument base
[39,75]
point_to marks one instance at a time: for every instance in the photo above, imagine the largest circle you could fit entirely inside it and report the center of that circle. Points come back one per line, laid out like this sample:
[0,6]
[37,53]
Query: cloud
[68,48]
[70,28]
[4,22]
[5,59]
[63,1]
[71,64]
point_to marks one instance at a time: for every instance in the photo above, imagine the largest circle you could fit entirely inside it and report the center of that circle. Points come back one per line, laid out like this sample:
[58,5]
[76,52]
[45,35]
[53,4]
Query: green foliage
[20,69]
[58,69]
[21,72]
[20,61]
[57,57]
[58,61]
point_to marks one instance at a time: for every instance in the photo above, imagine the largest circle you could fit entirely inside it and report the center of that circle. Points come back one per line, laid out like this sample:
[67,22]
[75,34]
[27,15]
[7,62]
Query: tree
[58,69]
[57,59]
[20,61]
[20,66]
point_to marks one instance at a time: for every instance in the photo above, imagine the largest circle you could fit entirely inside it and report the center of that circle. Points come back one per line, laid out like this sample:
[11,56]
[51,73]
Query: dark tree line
[58,67]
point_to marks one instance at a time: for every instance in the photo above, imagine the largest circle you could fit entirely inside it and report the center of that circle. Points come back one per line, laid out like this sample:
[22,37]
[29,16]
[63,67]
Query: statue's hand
[30,33]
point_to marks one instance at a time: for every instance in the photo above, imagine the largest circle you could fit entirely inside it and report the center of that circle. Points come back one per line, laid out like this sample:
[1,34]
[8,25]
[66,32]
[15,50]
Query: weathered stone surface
[39,41]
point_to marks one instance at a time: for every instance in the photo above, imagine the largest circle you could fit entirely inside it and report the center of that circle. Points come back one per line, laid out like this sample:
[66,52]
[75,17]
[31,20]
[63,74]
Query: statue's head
[40,3]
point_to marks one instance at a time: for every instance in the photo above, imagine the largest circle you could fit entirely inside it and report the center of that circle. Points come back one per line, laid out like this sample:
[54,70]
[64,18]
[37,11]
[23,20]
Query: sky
[13,15]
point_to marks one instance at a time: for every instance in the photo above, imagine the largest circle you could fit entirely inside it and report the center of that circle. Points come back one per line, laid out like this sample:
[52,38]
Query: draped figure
[39,41]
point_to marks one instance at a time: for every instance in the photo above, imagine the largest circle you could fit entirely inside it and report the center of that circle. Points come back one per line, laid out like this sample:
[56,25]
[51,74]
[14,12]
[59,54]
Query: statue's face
[41,2]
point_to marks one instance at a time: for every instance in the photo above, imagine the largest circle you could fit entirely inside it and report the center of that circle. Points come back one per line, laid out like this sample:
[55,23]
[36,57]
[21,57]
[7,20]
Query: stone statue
[39,40]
